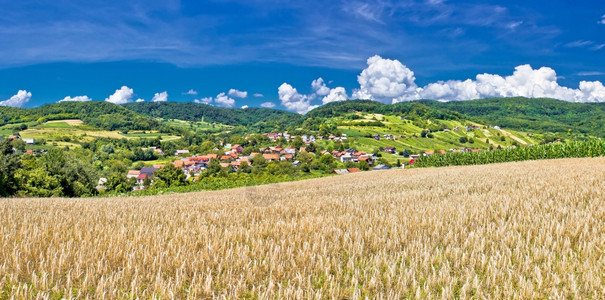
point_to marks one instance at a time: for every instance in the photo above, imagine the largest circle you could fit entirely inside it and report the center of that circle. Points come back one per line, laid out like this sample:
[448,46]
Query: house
[414,156]
[353,170]
[391,150]
[376,137]
[14,137]
[380,167]
[428,153]
[133,174]
[141,178]
[271,156]
[29,141]
[101,183]
[286,157]
[340,171]
[367,159]
[181,152]
[148,171]
[347,157]
[225,157]
[237,148]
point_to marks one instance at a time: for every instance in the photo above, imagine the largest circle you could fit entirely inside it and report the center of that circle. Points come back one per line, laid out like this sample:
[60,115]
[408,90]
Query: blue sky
[54,49]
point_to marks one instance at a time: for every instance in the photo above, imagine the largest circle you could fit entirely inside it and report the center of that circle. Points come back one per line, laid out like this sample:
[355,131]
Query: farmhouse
[391,150]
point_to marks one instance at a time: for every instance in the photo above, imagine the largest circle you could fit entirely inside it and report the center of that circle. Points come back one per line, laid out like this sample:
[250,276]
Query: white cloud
[335,94]
[190,92]
[591,73]
[291,99]
[17,100]
[76,99]
[602,20]
[205,100]
[525,82]
[121,96]
[258,95]
[386,80]
[244,106]
[319,86]
[267,105]
[140,100]
[237,93]
[224,100]
[160,97]
[390,81]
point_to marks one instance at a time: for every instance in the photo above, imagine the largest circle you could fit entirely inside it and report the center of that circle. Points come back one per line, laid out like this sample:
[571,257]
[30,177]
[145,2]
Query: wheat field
[516,230]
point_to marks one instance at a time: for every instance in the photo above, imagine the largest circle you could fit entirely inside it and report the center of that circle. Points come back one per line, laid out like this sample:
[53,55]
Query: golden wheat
[516,230]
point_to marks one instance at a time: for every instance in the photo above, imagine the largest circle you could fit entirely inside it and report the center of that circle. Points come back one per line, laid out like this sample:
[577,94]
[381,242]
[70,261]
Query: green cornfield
[590,148]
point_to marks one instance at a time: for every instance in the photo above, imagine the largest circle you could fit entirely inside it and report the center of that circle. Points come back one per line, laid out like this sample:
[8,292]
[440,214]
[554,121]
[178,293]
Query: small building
[380,167]
[340,171]
[181,152]
[133,174]
[391,150]
[29,141]
[353,170]
[376,137]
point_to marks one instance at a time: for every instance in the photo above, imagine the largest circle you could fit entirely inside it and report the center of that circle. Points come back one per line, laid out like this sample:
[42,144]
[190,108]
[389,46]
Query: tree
[171,175]
[298,142]
[244,167]
[463,139]
[406,153]
[311,147]
[259,163]
[9,164]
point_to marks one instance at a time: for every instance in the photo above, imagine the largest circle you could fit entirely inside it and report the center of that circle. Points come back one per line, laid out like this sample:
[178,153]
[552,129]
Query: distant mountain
[229,116]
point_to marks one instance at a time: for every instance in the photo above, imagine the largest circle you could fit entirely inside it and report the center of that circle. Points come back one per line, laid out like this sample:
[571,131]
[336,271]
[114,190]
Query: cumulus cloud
[205,100]
[140,100]
[160,97]
[258,95]
[267,105]
[76,99]
[386,80]
[223,100]
[525,81]
[319,86]
[390,81]
[17,100]
[238,94]
[121,96]
[602,20]
[291,99]
[335,94]
[190,92]
[244,106]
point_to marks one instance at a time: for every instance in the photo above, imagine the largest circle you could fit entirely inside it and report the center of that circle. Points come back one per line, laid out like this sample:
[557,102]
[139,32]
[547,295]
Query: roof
[341,171]
[134,172]
[381,167]
[353,170]
[142,176]
[271,156]
[148,170]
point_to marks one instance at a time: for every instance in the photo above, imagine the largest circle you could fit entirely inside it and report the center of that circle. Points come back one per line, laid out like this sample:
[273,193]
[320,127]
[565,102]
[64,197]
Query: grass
[514,230]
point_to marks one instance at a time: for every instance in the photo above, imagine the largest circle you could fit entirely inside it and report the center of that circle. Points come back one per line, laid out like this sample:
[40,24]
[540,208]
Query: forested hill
[229,116]
[97,114]
[415,109]
[541,114]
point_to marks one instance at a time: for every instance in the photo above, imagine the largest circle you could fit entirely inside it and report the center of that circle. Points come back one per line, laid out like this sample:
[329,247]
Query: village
[232,157]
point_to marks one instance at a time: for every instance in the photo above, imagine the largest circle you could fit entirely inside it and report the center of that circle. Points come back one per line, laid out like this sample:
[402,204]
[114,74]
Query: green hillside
[97,114]
[194,112]
[540,115]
